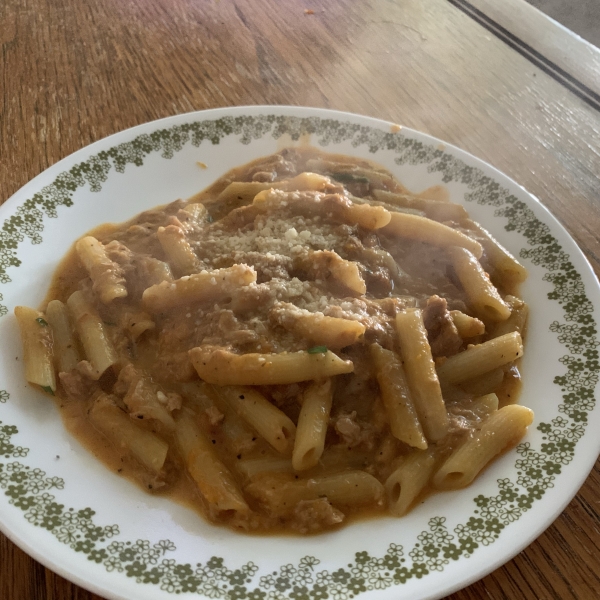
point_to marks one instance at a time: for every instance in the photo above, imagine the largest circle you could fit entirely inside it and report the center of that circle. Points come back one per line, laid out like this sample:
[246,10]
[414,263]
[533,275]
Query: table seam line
[549,67]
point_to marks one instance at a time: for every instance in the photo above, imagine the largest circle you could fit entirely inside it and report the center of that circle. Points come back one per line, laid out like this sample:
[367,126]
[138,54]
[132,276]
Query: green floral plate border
[446,543]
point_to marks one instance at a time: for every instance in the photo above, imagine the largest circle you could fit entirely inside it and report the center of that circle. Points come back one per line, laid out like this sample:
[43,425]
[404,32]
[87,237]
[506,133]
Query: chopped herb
[349,178]
[48,390]
[317,350]
[42,322]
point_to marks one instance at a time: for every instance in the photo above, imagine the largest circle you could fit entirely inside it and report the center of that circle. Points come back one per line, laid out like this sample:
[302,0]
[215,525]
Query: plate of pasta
[274,353]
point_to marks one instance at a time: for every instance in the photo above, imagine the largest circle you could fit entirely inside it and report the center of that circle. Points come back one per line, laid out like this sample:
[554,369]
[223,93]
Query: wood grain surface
[74,72]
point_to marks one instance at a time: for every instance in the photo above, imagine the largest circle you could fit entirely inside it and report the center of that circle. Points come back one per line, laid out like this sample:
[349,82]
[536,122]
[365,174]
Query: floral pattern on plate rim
[31,490]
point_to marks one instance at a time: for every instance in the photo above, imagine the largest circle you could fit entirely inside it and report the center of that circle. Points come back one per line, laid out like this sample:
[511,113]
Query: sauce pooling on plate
[302,343]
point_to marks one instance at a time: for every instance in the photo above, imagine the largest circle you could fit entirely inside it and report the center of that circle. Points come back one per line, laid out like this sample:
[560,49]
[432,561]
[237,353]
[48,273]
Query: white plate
[100,531]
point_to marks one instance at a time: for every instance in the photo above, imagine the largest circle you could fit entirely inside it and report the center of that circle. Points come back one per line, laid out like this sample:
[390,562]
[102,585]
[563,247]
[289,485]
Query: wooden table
[500,81]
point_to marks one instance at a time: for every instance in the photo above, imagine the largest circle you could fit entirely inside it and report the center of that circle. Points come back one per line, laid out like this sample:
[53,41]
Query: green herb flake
[42,322]
[48,390]
[317,350]
[349,178]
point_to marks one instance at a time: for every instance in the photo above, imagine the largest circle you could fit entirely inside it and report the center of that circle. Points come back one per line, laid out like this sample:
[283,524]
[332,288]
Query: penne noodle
[341,458]
[397,398]
[142,397]
[146,447]
[66,353]
[312,425]
[97,346]
[195,211]
[270,423]
[349,488]
[239,193]
[106,275]
[351,173]
[213,479]
[482,294]
[343,271]
[467,326]
[480,359]
[153,271]
[367,216]
[251,467]
[178,250]
[421,374]
[437,193]
[408,480]
[206,286]
[508,268]
[432,209]
[484,384]
[500,430]
[220,367]
[235,432]
[304,182]
[136,322]
[332,332]
[431,232]
[36,335]
[484,405]
[519,312]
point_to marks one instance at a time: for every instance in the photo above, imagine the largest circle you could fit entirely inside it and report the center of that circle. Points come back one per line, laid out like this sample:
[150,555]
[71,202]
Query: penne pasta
[178,250]
[508,268]
[484,384]
[466,325]
[421,374]
[194,211]
[98,348]
[340,270]
[36,335]
[269,422]
[206,286]
[146,447]
[367,216]
[251,467]
[136,323]
[364,215]
[106,275]
[483,296]
[142,397]
[425,230]
[481,359]
[312,425]
[500,430]
[519,313]
[213,479]
[350,488]
[485,405]
[408,480]
[238,193]
[432,209]
[397,398]
[66,353]
[218,366]
[332,332]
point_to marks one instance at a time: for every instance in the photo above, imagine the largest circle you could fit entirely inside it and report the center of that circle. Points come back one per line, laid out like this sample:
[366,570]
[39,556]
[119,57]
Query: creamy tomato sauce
[312,263]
